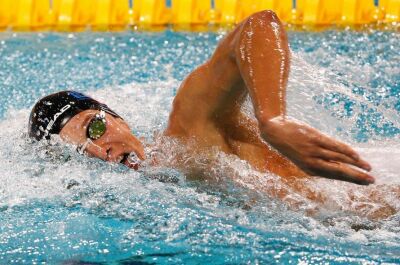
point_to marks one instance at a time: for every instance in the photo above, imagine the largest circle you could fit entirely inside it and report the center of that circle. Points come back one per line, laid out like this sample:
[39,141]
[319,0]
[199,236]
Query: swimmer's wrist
[270,127]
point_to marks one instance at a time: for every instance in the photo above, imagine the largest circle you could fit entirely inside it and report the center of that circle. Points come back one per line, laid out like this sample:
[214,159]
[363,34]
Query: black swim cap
[51,113]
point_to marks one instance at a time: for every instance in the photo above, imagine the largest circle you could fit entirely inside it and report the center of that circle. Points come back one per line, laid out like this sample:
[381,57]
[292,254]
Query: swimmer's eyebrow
[87,119]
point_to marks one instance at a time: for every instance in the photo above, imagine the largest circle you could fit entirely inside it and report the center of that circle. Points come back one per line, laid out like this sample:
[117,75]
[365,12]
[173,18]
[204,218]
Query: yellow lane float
[114,14]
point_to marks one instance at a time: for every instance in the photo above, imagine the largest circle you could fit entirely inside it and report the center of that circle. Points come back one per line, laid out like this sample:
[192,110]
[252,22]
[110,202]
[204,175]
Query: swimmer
[252,60]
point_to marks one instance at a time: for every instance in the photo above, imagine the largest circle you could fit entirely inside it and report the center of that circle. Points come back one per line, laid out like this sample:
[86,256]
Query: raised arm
[263,58]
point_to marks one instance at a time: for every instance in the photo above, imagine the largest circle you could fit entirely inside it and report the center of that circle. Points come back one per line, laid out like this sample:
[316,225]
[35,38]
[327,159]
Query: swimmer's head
[83,121]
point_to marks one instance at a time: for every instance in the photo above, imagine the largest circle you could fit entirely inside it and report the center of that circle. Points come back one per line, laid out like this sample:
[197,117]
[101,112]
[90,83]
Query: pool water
[57,207]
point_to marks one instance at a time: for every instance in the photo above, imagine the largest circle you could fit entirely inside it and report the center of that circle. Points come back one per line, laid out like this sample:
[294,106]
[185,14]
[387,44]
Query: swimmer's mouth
[127,161]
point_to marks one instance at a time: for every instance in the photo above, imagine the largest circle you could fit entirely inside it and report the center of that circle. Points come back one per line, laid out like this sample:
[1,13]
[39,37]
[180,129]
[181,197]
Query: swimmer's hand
[314,152]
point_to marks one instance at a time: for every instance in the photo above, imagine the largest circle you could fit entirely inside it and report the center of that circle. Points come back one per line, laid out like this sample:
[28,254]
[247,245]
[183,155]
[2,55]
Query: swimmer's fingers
[337,146]
[339,157]
[341,150]
[340,171]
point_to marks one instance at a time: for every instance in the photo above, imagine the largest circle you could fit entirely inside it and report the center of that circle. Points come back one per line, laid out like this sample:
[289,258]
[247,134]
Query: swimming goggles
[96,128]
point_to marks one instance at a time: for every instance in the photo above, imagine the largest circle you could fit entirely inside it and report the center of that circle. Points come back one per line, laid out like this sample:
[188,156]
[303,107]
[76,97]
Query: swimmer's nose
[136,147]
[116,143]
[118,153]
[114,150]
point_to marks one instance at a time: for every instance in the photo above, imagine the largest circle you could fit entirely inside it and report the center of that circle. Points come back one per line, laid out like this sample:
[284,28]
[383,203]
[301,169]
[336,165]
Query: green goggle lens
[96,128]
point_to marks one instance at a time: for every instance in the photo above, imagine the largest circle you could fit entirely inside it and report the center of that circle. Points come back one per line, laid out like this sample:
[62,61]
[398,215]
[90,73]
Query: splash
[57,205]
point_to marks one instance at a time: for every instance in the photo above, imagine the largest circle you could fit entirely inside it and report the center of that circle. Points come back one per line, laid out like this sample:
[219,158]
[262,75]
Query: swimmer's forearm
[263,57]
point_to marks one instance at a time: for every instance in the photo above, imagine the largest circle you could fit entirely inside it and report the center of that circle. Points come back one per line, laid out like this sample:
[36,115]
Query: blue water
[57,207]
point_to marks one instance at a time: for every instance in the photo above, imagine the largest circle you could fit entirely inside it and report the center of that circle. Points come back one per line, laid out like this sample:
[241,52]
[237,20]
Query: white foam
[30,172]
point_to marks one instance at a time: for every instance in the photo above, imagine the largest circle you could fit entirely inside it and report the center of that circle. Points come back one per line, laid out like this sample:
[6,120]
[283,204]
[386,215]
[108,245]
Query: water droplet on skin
[318,75]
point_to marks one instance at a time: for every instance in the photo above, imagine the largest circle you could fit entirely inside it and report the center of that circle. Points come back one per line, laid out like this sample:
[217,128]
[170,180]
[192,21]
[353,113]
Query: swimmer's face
[113,146]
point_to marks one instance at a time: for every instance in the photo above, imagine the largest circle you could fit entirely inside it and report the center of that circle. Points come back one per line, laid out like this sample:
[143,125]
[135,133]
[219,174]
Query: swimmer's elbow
[266,16]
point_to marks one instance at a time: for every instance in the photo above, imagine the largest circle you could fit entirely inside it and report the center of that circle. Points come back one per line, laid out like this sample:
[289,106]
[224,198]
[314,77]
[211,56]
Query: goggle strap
[82,148]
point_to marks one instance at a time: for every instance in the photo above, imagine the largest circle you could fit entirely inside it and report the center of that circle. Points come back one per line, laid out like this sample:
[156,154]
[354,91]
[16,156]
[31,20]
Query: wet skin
[113,146]
[254,60]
